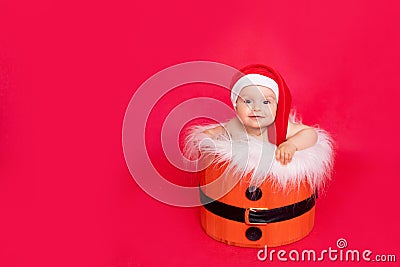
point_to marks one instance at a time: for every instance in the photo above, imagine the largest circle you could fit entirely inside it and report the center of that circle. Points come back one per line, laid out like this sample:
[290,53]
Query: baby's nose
[256,106]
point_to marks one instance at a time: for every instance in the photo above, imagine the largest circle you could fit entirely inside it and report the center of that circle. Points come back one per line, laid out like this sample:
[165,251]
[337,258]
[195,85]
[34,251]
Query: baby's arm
[298,137]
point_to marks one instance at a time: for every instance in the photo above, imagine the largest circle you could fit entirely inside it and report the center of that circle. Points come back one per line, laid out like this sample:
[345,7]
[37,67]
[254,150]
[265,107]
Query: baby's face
[256,107]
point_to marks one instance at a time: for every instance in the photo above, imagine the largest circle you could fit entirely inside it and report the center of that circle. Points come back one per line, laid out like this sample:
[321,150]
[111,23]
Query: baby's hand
[284,153]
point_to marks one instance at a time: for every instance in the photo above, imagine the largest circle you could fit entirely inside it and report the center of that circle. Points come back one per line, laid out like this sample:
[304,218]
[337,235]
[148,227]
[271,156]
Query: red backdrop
[68,71]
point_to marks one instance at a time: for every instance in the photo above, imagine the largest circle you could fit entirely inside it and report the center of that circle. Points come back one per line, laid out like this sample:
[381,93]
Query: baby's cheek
[272,110]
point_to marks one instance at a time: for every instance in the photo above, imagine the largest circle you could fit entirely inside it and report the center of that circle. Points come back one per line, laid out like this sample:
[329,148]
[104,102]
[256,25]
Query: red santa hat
[258,74]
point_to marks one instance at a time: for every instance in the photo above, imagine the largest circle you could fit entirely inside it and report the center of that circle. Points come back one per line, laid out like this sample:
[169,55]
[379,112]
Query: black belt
[257,215]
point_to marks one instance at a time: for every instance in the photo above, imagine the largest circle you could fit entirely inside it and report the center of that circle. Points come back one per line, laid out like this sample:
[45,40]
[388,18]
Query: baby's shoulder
[215,132]
[294,127]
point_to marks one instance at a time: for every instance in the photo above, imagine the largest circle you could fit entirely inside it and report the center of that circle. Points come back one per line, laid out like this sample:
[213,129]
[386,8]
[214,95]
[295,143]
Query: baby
[276,193]
[258,100]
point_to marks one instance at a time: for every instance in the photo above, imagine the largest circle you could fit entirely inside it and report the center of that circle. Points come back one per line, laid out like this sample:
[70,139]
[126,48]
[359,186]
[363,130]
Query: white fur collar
[246,154]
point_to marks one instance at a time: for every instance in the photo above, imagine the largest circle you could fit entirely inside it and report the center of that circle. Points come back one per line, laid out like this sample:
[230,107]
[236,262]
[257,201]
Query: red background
[68,71]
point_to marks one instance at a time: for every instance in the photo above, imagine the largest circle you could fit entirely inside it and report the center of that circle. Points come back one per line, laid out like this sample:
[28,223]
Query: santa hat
[258,74]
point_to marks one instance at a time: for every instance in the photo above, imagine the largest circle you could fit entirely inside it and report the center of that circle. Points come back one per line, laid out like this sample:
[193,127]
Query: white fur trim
[253,79]
[247,154]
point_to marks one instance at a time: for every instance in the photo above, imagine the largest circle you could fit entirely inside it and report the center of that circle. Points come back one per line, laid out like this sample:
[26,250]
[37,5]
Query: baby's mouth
[255,117]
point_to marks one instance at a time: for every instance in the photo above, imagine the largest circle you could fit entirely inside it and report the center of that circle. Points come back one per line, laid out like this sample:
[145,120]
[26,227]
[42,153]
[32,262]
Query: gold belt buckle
[247,213]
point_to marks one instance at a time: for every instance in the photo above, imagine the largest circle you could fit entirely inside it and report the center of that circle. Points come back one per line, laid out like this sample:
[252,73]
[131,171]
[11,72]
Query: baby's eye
[266,102]
[247,101]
